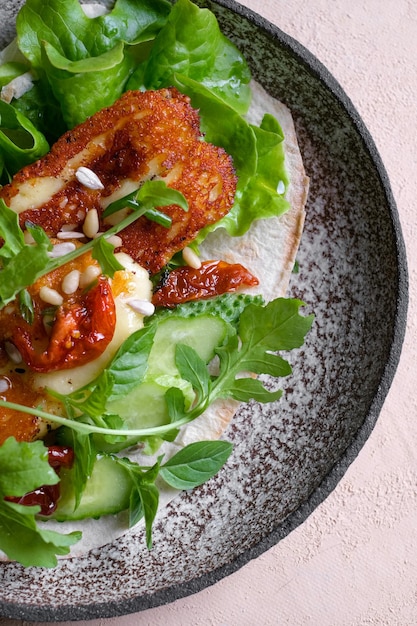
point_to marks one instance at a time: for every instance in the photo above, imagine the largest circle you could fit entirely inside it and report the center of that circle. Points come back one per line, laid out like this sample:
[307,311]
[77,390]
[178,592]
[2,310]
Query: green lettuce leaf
[257,153]
[85,61]
[191,44]
[85,86]
[20,142]
[64,25]
[11,70]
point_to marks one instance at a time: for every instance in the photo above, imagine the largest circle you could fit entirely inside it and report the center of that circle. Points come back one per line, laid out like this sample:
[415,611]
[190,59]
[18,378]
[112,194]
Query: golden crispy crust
[143,135]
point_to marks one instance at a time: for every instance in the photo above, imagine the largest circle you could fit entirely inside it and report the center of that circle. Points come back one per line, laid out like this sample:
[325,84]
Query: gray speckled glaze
[289,456]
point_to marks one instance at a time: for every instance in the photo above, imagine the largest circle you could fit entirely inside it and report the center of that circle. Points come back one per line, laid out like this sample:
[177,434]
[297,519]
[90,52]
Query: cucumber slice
[107,492]
[145,405]
[202,333]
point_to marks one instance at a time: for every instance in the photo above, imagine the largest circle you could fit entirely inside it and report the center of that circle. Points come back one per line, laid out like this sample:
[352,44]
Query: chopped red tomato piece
[213,278]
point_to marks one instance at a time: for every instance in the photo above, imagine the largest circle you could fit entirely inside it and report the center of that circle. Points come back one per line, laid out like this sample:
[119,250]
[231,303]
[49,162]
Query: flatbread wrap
[99,189]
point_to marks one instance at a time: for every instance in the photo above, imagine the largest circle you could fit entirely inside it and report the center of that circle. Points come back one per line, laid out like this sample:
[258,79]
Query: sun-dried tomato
[81,331]
[213,278]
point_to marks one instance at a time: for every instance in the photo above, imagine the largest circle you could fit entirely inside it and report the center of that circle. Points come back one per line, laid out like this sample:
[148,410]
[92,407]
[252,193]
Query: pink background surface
[354,561]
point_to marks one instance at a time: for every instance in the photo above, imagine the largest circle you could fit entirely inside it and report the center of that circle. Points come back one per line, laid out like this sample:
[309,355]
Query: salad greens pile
[77,65]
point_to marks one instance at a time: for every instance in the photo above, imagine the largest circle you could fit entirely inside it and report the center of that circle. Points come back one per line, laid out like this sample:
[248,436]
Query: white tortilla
[269,251]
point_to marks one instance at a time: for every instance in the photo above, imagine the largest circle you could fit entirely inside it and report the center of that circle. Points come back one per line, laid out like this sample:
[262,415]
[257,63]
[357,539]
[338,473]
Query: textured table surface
[354,561]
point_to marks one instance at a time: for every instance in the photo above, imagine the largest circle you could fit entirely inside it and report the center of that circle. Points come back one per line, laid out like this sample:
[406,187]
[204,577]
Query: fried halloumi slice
[144,135]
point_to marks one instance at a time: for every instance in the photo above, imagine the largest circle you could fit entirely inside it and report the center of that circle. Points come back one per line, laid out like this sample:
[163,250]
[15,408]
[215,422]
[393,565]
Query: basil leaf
[175,400]
[144,498]
[195,464]
[130,363]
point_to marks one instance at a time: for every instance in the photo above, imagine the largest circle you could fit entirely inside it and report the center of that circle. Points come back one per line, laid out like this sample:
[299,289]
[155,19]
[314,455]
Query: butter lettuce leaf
[257,153]
[192,44]
[20,142]
[85,61]
[85,86]
[64,25]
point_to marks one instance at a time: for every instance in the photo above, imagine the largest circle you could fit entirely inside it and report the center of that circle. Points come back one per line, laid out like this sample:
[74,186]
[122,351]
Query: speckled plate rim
[168,595]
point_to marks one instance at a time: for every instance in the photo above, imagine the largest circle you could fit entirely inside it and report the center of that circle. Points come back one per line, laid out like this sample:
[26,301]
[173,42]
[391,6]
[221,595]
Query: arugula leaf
[21,539]
[22,263]
[262,330]
[25,467]
[194,369]
[103,252]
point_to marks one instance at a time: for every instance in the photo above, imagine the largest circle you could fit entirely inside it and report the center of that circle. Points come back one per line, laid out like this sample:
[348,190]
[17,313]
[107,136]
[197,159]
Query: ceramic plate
[289,456]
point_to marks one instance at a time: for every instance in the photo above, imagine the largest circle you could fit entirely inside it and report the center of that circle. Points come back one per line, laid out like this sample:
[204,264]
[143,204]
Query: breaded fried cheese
[144,135]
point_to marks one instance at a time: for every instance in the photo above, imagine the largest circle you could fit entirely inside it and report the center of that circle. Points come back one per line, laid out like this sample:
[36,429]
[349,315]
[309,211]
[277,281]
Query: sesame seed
[4,384]
[71,281]
[88,178]
[144,307]
[91,224]
[51,296]
[191,258]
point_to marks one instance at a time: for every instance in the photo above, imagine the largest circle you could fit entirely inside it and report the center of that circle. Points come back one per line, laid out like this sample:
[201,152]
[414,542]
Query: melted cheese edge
[136,285]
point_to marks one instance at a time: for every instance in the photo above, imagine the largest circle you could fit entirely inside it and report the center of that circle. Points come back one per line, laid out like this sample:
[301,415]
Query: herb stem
[82,427]
[55,263]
